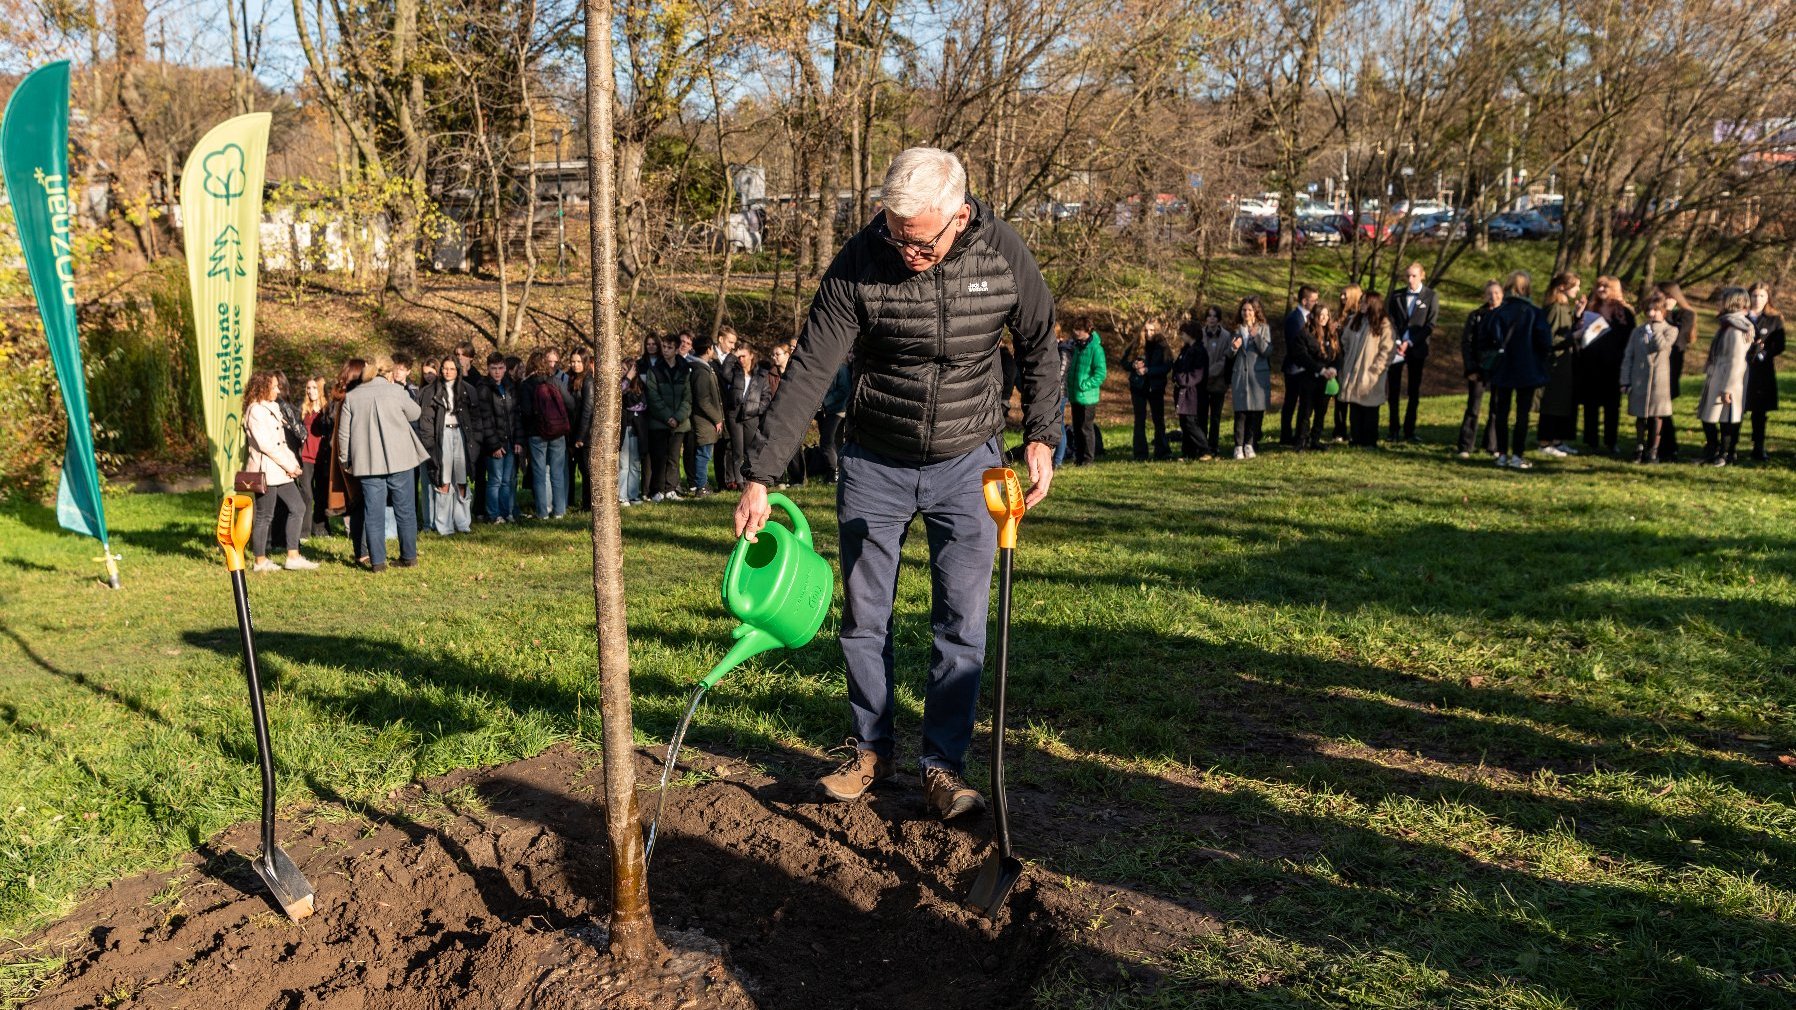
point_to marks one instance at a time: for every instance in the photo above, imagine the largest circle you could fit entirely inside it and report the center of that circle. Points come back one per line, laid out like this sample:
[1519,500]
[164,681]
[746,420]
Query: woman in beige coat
[1724,380]
[1366,345]
[1646,377]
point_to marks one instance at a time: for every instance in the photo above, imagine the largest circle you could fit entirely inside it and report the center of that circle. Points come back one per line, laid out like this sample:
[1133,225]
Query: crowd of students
[384,453]
[388,455]
[1593,355]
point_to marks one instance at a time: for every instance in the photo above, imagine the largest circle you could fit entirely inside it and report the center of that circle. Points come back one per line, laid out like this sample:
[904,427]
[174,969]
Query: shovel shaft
[258,714]
[1000,811]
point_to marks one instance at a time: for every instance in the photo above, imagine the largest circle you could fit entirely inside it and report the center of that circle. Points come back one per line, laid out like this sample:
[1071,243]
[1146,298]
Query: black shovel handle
[258,715]
[1000,810]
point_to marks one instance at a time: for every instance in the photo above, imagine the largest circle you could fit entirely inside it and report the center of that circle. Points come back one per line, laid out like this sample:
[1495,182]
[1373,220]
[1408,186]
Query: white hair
[923,179]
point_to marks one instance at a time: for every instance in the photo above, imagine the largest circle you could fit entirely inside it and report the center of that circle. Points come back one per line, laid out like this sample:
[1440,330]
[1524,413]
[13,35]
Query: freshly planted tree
[633,939]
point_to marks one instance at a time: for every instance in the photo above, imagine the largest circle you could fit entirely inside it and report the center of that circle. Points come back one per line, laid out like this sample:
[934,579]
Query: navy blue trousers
[876,499]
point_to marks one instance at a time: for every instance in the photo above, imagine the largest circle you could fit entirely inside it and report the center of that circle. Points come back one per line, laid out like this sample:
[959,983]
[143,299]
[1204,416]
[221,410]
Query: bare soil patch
[487,889]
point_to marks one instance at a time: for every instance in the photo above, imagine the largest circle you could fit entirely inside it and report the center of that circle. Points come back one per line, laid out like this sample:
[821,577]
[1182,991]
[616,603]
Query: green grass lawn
[1419,732]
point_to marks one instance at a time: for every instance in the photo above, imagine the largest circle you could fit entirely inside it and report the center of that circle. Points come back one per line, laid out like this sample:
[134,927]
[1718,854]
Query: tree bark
[633,938]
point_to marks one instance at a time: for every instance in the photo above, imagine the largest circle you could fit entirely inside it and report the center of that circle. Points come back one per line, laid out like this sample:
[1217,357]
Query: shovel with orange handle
[291,890]
[1004,500]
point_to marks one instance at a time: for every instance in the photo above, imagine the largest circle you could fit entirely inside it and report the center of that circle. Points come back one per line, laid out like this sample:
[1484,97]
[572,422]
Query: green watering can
[778,586]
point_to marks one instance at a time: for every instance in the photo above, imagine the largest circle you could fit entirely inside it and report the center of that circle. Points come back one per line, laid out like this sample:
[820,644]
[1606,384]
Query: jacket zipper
[941,351]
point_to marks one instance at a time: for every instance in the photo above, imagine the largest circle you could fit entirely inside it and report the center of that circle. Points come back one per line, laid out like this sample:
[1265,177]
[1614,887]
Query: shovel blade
[291,890]
[999,874]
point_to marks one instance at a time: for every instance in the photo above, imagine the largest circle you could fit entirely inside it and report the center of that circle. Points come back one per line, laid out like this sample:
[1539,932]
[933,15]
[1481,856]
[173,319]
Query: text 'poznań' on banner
[221,211]
[34,152]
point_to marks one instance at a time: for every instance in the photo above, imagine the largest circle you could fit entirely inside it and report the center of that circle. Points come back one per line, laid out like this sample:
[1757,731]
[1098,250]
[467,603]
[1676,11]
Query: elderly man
[921,296]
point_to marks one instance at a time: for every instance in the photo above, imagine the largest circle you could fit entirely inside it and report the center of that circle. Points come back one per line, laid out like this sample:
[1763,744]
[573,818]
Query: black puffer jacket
[927,375]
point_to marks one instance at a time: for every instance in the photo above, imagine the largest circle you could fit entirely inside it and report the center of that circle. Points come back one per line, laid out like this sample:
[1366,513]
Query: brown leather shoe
[949,795]
[857,774]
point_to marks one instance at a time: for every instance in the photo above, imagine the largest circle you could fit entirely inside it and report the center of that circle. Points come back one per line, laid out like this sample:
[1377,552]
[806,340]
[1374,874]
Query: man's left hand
[1040,457]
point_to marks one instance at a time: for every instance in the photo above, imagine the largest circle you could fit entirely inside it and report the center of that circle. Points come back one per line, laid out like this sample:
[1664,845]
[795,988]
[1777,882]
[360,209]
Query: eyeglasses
[914,245]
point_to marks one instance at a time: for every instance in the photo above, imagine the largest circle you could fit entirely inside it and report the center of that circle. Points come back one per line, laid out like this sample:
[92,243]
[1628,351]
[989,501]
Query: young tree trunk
[633,937]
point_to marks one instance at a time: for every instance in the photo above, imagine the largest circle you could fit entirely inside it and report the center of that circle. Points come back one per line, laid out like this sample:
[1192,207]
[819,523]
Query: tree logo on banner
[224,173]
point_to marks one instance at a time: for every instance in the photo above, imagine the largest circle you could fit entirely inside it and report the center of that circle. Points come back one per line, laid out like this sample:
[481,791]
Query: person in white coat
[1722,404]
[270,456]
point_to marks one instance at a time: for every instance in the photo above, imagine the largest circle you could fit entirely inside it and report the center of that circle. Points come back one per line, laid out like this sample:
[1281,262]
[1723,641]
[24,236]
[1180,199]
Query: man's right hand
[752,510]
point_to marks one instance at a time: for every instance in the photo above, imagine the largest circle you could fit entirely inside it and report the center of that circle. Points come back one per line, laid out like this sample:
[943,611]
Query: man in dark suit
[1296,322]
[1412,311]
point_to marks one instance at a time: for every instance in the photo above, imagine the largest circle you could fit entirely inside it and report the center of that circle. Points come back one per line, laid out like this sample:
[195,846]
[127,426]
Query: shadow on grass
[1261,716]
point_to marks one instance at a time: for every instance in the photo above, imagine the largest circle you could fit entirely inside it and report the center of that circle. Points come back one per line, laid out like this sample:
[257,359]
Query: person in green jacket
[667,390]
[1084,380]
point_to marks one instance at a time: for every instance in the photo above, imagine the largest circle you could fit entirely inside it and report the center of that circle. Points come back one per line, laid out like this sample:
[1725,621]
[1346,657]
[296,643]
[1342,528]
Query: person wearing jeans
[495,418]
[935,265]
[548,434]
[381,452]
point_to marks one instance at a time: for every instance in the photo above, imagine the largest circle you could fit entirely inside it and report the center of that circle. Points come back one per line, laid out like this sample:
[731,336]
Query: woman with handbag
[270,472]
[1366,346]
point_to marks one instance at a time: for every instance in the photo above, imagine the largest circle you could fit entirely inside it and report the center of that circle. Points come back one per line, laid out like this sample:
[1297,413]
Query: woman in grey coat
[1251,352]
[1724,380]
[1646,376]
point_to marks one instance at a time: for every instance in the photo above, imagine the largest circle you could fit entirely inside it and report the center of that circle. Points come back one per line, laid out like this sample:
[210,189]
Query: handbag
[250,482]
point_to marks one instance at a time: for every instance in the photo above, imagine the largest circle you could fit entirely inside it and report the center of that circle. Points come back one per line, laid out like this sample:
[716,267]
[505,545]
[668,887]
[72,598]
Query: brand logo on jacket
[979,287]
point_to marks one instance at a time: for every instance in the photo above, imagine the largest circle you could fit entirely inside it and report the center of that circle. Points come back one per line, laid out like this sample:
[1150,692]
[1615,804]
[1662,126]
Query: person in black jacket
[1514,358]
[451,438]
[1413,311]
[1189,370]
[1599,364]
[1147,389]
[923,296]
[501,441]
[1296,322]
[580,389]
[1472,341]
[1761,365]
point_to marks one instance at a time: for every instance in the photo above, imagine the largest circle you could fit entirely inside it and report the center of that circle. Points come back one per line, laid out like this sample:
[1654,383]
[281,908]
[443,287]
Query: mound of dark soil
[488,889]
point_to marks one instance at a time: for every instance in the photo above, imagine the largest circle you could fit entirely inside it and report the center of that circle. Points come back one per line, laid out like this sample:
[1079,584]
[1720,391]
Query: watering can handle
[800,527]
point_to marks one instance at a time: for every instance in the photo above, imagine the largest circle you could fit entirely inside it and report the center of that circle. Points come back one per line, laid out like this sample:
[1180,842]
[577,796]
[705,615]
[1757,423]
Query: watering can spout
[750,642]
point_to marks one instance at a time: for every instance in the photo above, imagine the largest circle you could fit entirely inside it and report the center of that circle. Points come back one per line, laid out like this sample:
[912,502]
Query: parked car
[1322,230]
[1503,231]
[1531,224]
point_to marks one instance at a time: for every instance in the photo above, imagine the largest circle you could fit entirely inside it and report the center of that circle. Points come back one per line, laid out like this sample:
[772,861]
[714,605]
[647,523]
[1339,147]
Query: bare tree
[633,938]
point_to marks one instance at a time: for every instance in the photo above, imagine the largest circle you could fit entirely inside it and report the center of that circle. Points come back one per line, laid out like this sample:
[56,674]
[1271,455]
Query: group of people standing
[1365,354]
[389,455]
[692,407]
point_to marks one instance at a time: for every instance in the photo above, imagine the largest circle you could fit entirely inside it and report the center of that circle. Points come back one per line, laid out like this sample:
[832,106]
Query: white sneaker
[1568,450]
[624,504]
[1502,460]
[299,565]
[1553,451]
[1465,455]
[266,565]
[657,496]
[1240,452]
[673,496]
[1516,462]
[1250,453]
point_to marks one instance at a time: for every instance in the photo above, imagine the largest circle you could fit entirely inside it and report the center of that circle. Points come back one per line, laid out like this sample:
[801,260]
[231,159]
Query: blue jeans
[701,470]
[400,490]
[876,499]
[548,470]
[629,469]
[502,486]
